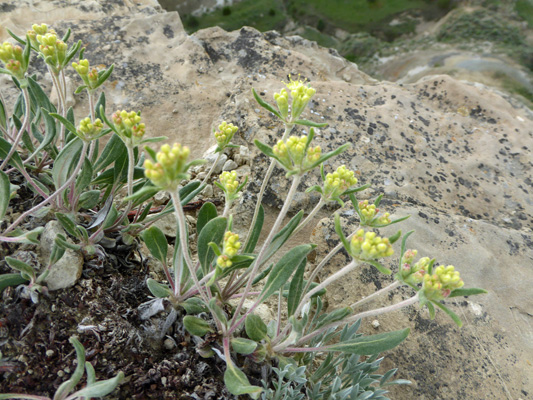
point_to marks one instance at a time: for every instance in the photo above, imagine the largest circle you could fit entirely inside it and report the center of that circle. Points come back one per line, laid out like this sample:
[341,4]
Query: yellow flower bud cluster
[225,134]
[282,152]
[231,247]
[301,95]
[338,182]
[282,99]
[129,126]
[369,211]
[229,182]
[292,154]
[413,273]
[170,166]
[88,130]
[53,49]
[384,219]
[90,77]
[440,284]
[13,59]
[296,146]
[369,246]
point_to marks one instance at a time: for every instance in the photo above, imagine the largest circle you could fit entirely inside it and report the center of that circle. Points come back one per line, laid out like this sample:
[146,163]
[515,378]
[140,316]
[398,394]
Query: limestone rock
[67,270]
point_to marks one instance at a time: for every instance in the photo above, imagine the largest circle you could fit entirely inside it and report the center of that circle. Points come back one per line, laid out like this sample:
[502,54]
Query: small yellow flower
[170,168]
[224,134]
[442,282]
[369,246]
[88,130]
[230,249]
[129,126]
[338,182]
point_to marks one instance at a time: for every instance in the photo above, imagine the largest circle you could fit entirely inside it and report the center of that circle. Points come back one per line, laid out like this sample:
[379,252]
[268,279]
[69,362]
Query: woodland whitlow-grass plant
[62,163]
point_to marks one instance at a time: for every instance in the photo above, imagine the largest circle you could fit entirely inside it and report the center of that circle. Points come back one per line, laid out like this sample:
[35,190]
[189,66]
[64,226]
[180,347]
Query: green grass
[263,15]
[524,8]
[359,15]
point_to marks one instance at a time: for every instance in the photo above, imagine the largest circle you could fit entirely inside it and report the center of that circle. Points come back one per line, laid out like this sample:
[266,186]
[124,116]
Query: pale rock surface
[454,156]
[67,270]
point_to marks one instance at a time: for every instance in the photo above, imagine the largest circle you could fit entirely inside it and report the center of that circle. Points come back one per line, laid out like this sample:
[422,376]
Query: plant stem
[55,194]
[288,129]
[23,128]
[61,105]
[93,117]
[257,262]
[375,295]
[310,217]
[212,168]
[353,318]
[180,216]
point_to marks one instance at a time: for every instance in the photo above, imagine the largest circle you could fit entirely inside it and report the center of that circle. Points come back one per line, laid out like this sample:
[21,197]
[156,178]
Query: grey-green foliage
[289,385]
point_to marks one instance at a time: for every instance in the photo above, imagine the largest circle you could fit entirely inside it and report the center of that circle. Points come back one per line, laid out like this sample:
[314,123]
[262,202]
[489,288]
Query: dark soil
[102,310]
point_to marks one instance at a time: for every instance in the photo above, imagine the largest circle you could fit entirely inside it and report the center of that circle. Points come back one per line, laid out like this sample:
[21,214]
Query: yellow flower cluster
[88,130]
[292,153]
[368,246]
[384,219]
[440,284]
[413,273]
[53,49]
[13,59]
[301,95]
[231,247]
[229,181]
[338,182]
[128,125]
[90,77]
[170,165]
[282,99]
[368,210]
[225,134]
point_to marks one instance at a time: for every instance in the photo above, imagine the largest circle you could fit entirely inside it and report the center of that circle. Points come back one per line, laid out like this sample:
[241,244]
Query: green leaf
[101,388]
[394,238]
[67,223]
[15,159]
[310,123]
[66,387]
[50,132]
[379,267]
[5,194]
[283,235]
[140,196]
[255,232]
[217,311]
[327,156]
[41,99]
[66,162]
[158,289]
[255,327]
[103,75]
[431,310]
[296,288]
[196,326]
[338,229]
[156,242]
[367,345]
[13,279]
[466,292]
[213,231]
[237,383]
[206,214]
[243,346]
[84,178]
[26,270]
[267,150]
[114,148]
[89,199]
[61,241]
[120,169]
[69,125]
[189,191]
[284,269]
[265,105]
[194,305]
[450,313]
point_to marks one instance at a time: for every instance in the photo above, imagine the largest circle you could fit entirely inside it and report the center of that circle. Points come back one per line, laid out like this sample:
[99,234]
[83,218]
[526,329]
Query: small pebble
[49,353]
[229,165]
[60,373]
[164,380]
[208,191]
[375,324]
[169,344]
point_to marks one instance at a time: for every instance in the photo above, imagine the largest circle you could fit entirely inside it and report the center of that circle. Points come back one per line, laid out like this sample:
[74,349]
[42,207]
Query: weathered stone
[229,165]
[67,270]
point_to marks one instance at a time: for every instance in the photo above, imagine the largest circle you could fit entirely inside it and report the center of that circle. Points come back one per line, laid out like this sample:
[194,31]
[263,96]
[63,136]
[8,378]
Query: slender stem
[257,262]
[180,216]
[32,182]
[288,129]
[239,295]
[169,278]
[212,168]
[22,129]
[53,196]
[131,168]
[375,295]
[353,318]
[227,206]
[322,263]
[93,117]
[310,217]
[61,105]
